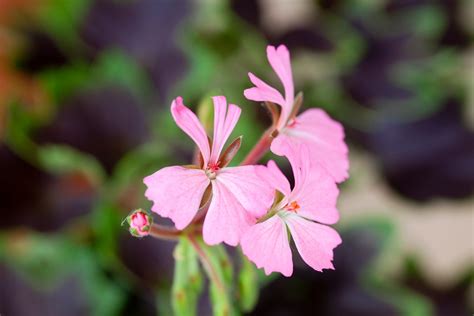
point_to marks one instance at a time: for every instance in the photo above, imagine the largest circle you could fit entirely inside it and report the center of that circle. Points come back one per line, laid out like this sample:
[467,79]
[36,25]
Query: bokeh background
[85,89]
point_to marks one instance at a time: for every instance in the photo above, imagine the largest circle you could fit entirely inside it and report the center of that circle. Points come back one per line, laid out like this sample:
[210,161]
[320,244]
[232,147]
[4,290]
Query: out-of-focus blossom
[323,136]
[300,210]
[239,195]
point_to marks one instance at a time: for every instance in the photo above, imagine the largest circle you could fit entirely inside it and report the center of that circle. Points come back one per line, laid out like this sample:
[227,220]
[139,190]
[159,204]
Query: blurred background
[85,89]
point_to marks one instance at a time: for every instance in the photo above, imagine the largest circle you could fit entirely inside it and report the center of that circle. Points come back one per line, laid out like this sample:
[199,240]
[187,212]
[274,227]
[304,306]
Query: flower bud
[140,223]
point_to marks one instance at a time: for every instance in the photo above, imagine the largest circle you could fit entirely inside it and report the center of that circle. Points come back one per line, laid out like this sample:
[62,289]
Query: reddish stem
[164,232]
[171,233]
[260,148]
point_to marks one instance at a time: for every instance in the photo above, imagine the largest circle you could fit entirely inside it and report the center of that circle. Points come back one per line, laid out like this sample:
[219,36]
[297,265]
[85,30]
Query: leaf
[187,282]
[45,261]
[61,19]
[65,81]
[116,67]
[61,159]
[112,68]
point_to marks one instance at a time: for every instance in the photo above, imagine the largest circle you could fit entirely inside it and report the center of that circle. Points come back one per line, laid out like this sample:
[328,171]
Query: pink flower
[323,136]
[301,210]
[140,223]
[239,195]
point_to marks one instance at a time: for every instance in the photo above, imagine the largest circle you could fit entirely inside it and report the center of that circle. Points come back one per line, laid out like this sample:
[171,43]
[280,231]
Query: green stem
[207,264]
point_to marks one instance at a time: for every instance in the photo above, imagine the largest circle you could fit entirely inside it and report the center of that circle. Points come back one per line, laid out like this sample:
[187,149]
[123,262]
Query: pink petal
[191,125]
[176,193]
[266,244]
[274,177]
[225,120]
[324,138]
[315,190]
[250,190]
[263,92]
[317,196]
[226,219]
[298,156]
[319,122]
[315,242]
[279,59]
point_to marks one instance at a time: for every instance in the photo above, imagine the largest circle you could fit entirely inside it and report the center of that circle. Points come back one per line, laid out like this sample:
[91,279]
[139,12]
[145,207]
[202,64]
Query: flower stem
[165,232]
[260,148]
[207,264]
[171,233]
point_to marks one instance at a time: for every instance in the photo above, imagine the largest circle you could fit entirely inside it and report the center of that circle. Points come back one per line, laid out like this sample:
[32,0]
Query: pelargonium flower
[239,195]
[302,210]
[323,136]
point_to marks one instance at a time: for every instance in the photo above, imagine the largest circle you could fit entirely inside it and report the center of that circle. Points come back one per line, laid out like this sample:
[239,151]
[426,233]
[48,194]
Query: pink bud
[140,223]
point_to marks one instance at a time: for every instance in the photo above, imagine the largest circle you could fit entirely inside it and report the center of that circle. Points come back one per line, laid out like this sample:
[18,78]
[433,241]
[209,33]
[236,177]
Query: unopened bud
[140,223]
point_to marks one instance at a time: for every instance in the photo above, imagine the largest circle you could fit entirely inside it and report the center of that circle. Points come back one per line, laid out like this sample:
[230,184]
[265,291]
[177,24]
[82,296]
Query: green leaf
[248,285]
[187,282]
[116,67]
[61,19]
[65,81]
[17,135]
[45,261]
[112,68]
[62,159]
[39,260]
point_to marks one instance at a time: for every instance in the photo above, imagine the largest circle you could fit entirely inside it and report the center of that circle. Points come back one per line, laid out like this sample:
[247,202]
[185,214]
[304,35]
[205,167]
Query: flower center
[292,207]
[211,170]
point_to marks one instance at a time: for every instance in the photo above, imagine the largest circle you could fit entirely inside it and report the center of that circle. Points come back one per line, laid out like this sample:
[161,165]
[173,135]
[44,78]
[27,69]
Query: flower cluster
[254,205]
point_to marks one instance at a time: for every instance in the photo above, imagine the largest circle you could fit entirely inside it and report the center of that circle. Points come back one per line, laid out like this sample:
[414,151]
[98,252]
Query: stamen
[213,166]
[293,207]
[211,170]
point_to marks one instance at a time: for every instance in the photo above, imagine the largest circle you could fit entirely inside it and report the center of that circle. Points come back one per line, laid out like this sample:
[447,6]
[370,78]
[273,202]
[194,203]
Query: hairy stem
[207,264]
